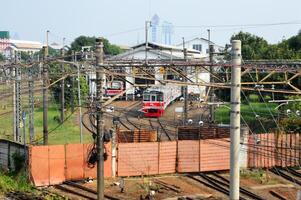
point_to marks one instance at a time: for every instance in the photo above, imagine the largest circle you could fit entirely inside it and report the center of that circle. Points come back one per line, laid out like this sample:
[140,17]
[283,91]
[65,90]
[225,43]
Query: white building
[160,52]
[166,52]
[202,45]
[29,47]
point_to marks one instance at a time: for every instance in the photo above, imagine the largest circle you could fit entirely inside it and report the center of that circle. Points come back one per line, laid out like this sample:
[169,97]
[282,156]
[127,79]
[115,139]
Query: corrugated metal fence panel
[74,161]
[215,154]
[39,165]
[135,159]
[167,157]
[4,155]
[62,162]
[56,164]
[189,158]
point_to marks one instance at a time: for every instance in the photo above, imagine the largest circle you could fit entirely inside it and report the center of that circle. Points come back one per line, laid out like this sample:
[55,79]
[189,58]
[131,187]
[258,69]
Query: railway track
[221,184]
[6,95]
[80,191]
[288,173]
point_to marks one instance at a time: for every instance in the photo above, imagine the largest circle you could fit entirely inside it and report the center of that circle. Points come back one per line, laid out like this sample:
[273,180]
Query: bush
[267,98]
[254,98]
[292,124]
[19,161]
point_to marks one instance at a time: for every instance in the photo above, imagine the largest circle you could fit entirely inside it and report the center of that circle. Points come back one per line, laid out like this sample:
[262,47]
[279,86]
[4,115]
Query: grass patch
[260,176]
[68,132]
[222,115]
[14,182]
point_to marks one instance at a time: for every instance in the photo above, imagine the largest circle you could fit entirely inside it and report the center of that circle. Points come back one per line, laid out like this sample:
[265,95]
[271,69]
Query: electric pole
[79,101]
[99,118]
[235,119]
[211,80]
[211,93]
[47,45]
[72,86]
[45,98]
[31,106]
[62,90]
[185,88]
[18,111]
[146,40]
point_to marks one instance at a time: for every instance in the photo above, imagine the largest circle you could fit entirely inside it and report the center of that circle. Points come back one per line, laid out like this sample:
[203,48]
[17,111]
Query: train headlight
[201,123]
[190,121]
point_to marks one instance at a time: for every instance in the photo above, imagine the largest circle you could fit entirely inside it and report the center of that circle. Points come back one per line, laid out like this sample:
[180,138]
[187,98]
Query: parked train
[157,98]
[114,87]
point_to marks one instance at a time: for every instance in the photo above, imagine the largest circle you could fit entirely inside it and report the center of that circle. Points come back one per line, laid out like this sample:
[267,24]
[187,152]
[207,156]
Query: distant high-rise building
[161,32]
[167,32]
[155,27]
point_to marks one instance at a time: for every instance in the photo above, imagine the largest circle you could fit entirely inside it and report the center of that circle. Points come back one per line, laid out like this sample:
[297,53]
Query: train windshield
[153,96]
[146,97]
[116,85]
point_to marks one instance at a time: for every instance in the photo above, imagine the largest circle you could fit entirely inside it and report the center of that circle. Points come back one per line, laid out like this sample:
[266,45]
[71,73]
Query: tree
[2,58]
[253,47]
[55,73]
[81,41]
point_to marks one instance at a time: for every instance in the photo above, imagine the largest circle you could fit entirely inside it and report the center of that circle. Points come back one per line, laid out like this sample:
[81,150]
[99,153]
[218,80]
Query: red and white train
[157,98]
[114,87]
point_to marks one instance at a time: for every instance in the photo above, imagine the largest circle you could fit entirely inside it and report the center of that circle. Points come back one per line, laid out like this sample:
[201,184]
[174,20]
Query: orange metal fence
[272,149]
[49,165]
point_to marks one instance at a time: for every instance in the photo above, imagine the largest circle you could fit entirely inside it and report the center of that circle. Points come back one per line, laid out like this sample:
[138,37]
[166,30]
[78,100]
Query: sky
[122,21]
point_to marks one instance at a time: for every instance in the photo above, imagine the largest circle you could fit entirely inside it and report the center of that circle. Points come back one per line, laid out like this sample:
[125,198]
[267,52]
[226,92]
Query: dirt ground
[140,187]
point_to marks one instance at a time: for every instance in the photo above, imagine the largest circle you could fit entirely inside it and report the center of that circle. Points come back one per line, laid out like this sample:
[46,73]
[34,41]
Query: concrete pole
[31,107]
[45,101]
[146,40]
[185,88]
[62,90]
[79,102]
[235,119]
[99,118]
[47,44]
[114,153]
[211,93]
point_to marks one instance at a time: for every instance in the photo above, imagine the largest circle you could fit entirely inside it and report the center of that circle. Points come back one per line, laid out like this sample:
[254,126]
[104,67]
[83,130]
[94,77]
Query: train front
[153,103]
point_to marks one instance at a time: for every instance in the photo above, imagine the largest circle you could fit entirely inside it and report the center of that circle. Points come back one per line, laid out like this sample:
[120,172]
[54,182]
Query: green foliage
[222,115]
[293,105]
[254,98]
[291,124]
[260,176]
[14,182]
[2,58]
[19,162]
[81,41]
[255,48]
[267,98]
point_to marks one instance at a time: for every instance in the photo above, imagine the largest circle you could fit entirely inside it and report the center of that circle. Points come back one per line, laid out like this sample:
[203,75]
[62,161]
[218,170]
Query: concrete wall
[7,150]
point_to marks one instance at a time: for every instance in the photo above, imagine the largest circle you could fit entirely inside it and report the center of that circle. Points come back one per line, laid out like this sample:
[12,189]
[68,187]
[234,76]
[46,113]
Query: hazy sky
[70,18]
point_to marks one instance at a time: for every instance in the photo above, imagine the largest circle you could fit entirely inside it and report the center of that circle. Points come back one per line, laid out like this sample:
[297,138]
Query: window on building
[197,47]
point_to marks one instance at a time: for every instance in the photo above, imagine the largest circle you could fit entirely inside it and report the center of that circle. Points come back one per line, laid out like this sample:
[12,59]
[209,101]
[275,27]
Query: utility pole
[62,90]
[211,93]
[99,118]
[45,99]
[235,119]
[146,40]
[31,106]
[18,112]
[185,88]
[47,43]
[211,80]
[72,86]
[79,101]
